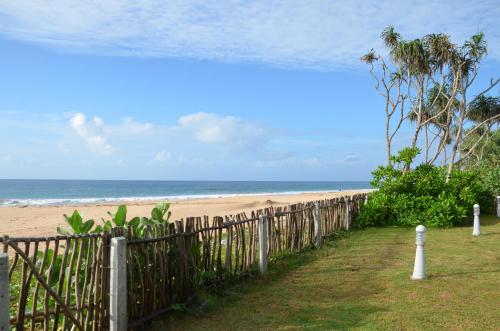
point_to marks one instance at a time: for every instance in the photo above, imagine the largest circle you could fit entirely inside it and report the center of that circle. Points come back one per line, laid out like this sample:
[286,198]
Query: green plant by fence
[63,282]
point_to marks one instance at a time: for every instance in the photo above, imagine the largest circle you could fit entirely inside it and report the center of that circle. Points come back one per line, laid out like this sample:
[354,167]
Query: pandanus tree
[426,82]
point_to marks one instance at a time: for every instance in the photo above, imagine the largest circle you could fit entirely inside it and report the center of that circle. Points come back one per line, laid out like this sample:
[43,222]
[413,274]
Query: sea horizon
[46,192]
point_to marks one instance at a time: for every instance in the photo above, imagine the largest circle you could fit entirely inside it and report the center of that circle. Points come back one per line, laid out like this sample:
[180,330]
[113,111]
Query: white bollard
[498,206]
[476,231]
[366,199]
[317,225]
[4,292]
[262,244]
[346,199]
[419,267]
[118,318]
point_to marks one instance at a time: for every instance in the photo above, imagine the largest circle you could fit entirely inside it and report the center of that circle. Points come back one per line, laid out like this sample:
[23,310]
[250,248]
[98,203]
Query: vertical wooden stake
[317,225]
[4,292]
[262,244]
[347,222]
[118,285]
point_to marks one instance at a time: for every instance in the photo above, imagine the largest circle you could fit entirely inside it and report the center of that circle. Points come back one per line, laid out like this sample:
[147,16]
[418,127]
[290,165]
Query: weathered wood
[166,265]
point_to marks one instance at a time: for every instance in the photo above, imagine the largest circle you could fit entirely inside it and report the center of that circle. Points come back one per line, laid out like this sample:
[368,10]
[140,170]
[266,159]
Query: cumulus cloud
[226,133]
[229,131]
[90,132]
[320,34]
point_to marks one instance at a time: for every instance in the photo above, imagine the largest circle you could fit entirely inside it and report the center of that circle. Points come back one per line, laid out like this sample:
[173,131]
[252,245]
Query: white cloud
[162,156]
[228,131]
[6,158]
[319,34]
[98,121]
[352,158]
[282,160]
[206,130]
[130,126]
[90,133]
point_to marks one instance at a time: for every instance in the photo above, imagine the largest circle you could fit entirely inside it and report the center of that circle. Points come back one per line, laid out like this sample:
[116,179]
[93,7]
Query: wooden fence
[63,282]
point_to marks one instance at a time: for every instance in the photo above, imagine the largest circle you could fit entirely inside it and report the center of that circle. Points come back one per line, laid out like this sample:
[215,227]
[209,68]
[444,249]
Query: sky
[206,90]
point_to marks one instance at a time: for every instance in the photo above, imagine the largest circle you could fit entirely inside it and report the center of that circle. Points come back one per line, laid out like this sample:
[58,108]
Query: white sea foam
[85,201]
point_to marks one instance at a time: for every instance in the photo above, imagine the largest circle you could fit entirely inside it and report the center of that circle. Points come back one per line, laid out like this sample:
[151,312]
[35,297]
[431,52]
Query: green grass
[362,281]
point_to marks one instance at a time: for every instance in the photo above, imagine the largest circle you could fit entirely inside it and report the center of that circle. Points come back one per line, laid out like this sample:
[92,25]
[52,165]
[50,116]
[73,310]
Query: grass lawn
[362,281]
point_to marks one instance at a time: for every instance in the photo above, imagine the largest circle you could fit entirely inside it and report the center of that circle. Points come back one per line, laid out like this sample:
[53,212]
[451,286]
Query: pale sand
[42,221]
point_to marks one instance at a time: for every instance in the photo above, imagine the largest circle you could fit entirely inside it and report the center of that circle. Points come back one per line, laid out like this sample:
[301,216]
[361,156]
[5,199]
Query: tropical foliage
[422,195]
[160,214]
[427,82]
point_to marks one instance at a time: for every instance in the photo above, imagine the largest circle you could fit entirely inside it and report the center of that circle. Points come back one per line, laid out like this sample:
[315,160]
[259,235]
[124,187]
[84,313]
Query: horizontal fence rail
[63,282]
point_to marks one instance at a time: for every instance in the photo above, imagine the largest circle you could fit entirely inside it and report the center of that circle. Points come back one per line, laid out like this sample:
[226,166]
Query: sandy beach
[43,220]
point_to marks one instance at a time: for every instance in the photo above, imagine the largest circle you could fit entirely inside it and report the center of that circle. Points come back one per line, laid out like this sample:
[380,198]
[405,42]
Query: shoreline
[76,202]
[43,220]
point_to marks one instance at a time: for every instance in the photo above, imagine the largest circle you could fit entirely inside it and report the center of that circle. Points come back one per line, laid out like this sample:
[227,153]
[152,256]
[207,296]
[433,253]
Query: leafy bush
[159,215]
[421,195]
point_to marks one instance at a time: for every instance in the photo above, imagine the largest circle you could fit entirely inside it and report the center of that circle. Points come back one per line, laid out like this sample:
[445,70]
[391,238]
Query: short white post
[262,244]
[366,199]
[118,285]
[4,292]
[419,267]
[476,231]
[317,225]
[498,206]
[347,223]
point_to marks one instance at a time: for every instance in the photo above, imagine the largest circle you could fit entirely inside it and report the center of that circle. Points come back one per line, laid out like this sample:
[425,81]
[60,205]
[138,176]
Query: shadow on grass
[485,220]
[463,273]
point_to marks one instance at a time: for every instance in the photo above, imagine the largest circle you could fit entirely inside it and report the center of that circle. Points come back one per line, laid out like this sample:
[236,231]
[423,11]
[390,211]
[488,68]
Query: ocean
[20,192]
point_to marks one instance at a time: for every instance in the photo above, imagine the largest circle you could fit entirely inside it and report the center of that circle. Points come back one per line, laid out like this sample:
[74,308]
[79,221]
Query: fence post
[498,206]
[118,285]
[366,199]
[476,230]
[4,292]
[317,225]
[346,199]
[262,244]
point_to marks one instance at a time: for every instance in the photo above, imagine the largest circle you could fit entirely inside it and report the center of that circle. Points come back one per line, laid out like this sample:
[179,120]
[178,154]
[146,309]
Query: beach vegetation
[429,83]
[76,224]
[160,214]
[422,195]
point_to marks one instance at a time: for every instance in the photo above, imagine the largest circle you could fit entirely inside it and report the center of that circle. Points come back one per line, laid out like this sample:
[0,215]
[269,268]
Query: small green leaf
[121,215]
[107,226]
[62,231]
[135,221]
[87,226]
[156,214]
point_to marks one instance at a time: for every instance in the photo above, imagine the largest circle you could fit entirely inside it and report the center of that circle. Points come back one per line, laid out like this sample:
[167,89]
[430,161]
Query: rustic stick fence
[78,282]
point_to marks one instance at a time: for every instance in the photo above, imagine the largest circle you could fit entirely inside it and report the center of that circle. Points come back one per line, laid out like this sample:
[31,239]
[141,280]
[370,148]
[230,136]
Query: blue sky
[223,90]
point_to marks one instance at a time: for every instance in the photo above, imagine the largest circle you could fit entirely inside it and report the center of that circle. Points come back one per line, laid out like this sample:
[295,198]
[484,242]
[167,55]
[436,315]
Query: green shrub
[421,195]
[160,214]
